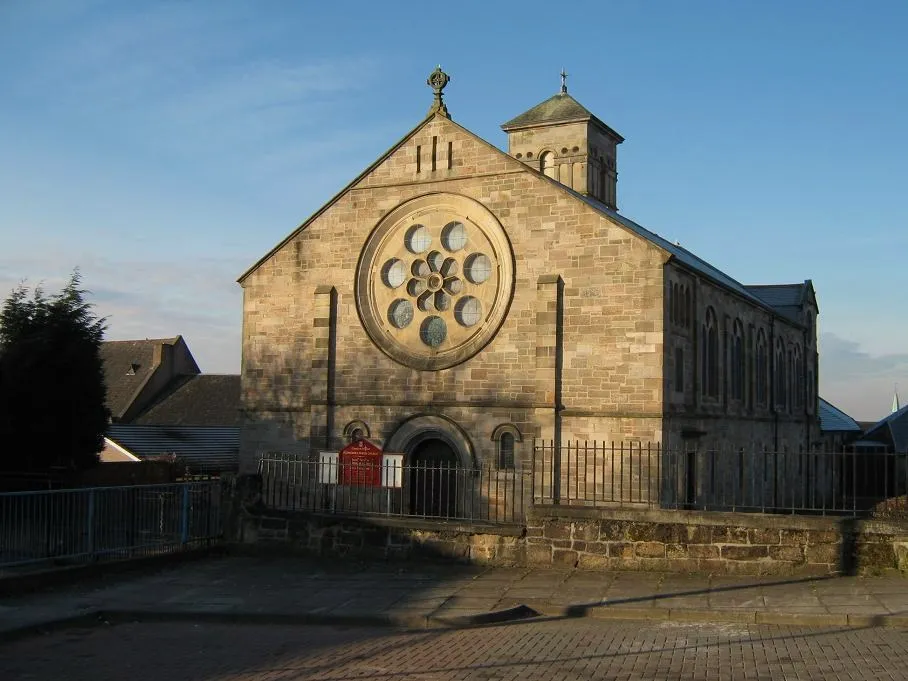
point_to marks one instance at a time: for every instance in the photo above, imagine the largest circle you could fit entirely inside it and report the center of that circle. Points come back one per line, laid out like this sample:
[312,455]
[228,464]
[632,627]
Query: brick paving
[550,650]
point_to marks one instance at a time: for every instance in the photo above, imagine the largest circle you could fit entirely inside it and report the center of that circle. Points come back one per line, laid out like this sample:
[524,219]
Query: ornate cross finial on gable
[563,82]
[437,81]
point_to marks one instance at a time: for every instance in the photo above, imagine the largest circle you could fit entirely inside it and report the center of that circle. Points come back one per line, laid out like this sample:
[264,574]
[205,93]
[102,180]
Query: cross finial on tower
[563,82]
[437,81]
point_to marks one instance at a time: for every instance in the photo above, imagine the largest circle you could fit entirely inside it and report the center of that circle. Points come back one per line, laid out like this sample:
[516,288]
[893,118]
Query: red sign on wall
[360,464]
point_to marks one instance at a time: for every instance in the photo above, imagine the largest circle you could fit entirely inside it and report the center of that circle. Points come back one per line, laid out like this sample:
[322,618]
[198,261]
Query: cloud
[858,382]
[199,300]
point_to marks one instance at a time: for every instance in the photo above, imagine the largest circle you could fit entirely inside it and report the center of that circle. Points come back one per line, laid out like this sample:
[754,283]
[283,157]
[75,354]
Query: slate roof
[780,295]
[678,252]
[560,108]
[202,449]
[895,426]
[785,298]
[128,365]
[833,419]
[198,400]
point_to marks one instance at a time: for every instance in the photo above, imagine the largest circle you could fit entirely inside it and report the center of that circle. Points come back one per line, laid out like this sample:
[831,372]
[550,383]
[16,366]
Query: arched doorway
[433,479]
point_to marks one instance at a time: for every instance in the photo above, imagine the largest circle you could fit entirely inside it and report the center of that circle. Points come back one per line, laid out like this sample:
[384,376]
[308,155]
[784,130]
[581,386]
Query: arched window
[811,400]
[710,355]
[505,436]
[780,373]
[506,452]
[761,369]
[672,303]
[356,430]
[547,164]
[688,310]
[798,378]
[737,361]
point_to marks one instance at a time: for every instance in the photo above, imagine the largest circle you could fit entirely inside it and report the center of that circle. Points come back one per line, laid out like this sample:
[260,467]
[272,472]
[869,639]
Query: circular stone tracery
[434,281]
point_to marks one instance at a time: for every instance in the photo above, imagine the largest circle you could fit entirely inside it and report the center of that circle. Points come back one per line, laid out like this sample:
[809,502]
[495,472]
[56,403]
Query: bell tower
[561,138]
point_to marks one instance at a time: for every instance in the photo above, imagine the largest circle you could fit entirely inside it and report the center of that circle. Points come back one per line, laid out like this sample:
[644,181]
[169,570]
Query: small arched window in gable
[547,164]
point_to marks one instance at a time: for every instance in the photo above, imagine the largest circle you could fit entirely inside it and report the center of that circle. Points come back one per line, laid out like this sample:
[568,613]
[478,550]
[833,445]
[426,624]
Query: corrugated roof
[203,449]
[199,400]
[833,419]
[560,108]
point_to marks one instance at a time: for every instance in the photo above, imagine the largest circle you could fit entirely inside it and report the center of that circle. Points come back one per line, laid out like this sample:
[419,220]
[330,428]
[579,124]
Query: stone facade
[584,347]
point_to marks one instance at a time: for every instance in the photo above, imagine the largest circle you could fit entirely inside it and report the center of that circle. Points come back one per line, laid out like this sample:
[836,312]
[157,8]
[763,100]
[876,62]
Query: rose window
[432,285]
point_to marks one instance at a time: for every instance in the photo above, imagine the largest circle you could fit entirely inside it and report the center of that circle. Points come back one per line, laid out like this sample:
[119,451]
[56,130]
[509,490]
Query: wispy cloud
[176,82]
[857,381]
[146,299]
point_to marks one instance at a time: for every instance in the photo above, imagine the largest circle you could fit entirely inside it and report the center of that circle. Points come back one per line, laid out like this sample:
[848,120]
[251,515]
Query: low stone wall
[378,537]
[716,543]
[594,539]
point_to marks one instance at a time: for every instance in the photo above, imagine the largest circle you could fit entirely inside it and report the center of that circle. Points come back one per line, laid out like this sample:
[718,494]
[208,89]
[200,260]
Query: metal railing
[448,492]
[103,523]
[645,475]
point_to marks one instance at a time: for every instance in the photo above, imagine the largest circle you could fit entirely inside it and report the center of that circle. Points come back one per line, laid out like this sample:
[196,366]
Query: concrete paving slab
[294,590]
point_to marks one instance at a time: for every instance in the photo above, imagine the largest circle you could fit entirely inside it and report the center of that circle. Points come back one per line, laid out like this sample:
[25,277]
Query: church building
[456,302]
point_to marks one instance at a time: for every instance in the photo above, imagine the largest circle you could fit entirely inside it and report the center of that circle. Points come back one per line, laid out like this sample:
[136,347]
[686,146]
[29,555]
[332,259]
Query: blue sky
[163,147]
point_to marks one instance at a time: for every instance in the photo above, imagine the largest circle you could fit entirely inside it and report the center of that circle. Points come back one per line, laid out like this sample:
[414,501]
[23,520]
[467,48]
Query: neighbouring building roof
[559,108]
[199,400]
[833,419]
[131,365]
[202,449]
[128,365]
[892,429]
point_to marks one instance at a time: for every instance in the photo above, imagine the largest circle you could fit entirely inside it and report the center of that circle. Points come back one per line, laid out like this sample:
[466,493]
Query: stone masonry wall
[611,336]
[680,541]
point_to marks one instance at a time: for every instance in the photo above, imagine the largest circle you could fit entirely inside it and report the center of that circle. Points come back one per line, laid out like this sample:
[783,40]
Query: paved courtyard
[288,590]
[551,650]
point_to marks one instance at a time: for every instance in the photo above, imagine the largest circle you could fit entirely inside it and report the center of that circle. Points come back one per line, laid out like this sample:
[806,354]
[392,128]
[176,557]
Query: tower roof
[560,108]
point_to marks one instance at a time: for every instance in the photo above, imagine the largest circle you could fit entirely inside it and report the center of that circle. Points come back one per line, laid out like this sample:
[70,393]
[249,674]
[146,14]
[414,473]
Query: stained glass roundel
[432,285]
[400,313]
[433,331]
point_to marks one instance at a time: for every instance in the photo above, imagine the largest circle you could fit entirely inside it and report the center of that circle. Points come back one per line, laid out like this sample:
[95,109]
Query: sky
[164,147]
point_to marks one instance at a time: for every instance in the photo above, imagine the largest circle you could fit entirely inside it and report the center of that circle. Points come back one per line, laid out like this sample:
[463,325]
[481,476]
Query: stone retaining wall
[734,544]
[594,539]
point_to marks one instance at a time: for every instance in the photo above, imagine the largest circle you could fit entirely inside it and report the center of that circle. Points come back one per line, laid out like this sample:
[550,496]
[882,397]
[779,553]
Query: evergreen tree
[53,411]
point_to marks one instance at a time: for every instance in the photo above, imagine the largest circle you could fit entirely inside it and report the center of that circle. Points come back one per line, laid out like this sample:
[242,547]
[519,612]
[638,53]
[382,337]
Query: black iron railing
[646,475]
[449,492]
